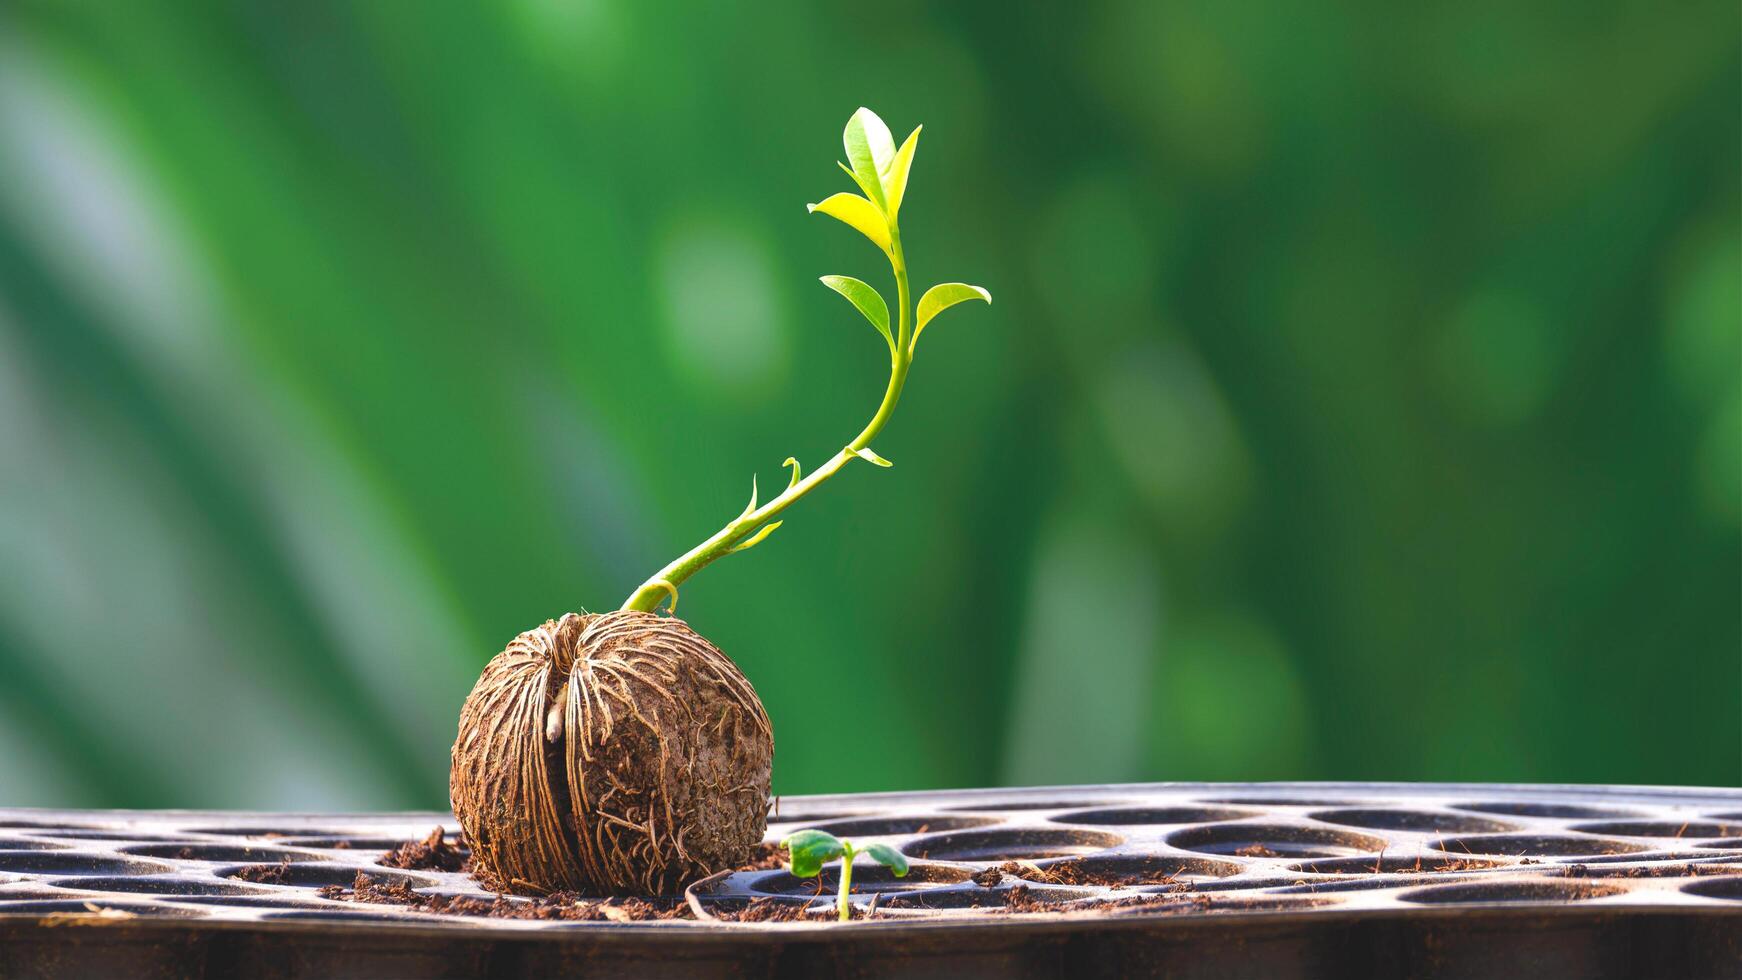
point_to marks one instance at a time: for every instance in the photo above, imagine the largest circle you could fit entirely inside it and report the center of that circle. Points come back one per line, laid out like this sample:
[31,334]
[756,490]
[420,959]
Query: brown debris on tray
[773,910]
[265,874]
[1020,900]
[557,906]
[766,856]
[433,853]
[1074,873]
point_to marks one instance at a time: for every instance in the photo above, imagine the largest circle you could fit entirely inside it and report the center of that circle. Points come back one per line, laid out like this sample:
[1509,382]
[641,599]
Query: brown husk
[657,774]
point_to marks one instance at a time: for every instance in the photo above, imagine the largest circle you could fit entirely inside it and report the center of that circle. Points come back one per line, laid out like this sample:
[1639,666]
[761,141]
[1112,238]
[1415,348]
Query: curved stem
[664,582]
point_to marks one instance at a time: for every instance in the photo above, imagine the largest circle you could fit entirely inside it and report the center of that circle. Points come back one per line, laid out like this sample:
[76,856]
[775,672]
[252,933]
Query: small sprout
[810,849]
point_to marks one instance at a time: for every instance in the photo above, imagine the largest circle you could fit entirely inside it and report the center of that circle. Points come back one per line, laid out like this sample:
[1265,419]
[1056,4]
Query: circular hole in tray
[1639,857]
[1681,830]
[229,853]
[97,906]
[1275,840]
[1541,890]
[975,898]
[135,835]
[1536,845]
[156,886]
[30,895]
[866,878]
[1011,844]
[76,863]
[317,875]
[344,843]
[1399,865]
[24,844]
[893,826]
[1536,808]
[271,832]
[1418,821]
[280,901]
[1117,870]
[1728,887]
[812,816]
[1137,816]
[1066,804]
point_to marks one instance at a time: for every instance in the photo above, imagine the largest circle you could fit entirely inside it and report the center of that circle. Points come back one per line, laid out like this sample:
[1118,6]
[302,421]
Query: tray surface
[1130,850]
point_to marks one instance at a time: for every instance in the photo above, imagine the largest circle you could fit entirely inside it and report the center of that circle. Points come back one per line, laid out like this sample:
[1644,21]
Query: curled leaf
[756,539]
[870,152]
[751,506]
[794,464]
[870,457]
[866,300]
[889,857]
[896,181]
[940,298]
[809,849]
[859,213]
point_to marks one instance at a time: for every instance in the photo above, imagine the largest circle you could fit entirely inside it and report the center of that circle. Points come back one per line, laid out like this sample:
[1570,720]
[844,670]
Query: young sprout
[880,170]
[810,848]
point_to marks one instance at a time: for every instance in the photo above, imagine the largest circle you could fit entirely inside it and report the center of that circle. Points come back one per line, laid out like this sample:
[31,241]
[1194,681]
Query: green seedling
[810,849]
[880,170]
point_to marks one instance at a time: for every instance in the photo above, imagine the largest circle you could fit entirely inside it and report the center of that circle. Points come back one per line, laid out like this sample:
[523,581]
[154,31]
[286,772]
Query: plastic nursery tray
[1189,880]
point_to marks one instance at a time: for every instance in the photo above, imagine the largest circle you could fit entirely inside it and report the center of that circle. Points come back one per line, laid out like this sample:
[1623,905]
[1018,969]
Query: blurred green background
[1362,398]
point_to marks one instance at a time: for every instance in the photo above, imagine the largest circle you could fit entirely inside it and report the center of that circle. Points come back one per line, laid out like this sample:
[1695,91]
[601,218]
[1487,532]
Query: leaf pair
[811,849]
[937,299]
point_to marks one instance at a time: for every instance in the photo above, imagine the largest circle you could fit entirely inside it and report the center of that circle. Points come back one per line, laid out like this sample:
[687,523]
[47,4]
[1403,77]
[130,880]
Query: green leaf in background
[870,152]
[896,181]
[889,857]
[858,212]
[940,298]
[809,849]
[866,300]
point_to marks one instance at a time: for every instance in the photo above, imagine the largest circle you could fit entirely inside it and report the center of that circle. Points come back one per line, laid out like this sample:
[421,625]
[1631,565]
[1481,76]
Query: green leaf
[870,152]
[940,298]
[887,856]
[858,212]
[756,539]
[794,464]
[866,299]
[809,849]
[896,182]
[864,188]
[870,457]
[751,506]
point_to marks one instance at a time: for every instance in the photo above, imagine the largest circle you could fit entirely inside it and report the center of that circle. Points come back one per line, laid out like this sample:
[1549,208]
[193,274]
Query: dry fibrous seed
[658,773]
[622,753]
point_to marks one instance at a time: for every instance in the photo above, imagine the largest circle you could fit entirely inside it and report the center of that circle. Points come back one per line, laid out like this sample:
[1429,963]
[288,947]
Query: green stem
[664,582]
[841,903]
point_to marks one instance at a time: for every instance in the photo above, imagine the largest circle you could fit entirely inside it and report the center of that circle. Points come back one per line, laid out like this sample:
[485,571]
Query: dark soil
[433,853]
